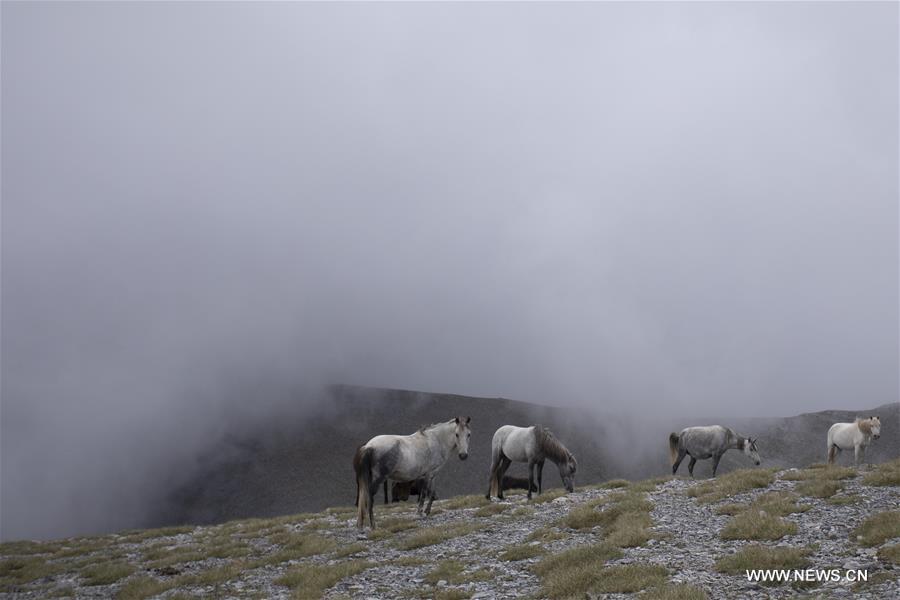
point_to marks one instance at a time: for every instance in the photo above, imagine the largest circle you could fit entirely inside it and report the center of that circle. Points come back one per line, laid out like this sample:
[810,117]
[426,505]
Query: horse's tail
[494,486]
[362,464]
[673,446]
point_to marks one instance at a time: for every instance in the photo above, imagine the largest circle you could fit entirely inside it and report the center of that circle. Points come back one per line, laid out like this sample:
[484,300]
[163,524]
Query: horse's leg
[540,472]
[531,465]
[495,465]
[858,451]
[716,459]
[681,455]
[429,490]
[832,454]
[691,466]
[501,472]
[385,491]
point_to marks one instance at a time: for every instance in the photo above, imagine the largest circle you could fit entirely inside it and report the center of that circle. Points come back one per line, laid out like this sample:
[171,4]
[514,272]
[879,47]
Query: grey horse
[708,442]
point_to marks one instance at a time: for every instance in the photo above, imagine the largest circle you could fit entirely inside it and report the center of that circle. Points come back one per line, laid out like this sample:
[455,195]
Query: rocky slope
[667,537]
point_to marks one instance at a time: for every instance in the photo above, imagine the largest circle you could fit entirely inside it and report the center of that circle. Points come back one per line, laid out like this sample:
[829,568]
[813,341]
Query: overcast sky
[681,207]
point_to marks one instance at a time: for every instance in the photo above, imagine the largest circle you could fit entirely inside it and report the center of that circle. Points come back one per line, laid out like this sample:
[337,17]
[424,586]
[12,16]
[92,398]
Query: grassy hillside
[662,538]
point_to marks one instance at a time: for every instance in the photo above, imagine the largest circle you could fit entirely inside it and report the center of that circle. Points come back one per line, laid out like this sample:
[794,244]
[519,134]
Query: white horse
[530,445]
[856,435]
[407,458]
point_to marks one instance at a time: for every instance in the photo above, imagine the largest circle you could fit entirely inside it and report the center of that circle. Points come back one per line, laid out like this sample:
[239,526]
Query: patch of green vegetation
[521,552]
[435,535]
[311,580]
[890,553]
[875,579]
[818,488]
[756,556]
[138,588]
[877,529]
[681,591]
[458,502]
[349,550]
[732,483]
[17,571]
[884,474]
[757,525]
[106,572]
[491,509]
[66,591]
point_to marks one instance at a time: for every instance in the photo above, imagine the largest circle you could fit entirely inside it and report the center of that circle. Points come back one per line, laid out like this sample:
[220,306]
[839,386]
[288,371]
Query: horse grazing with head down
[856,435]
[532,445]
[407,458]
[708,442]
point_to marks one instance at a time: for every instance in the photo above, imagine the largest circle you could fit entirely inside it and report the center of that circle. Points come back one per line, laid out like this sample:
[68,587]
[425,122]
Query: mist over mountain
[308,467]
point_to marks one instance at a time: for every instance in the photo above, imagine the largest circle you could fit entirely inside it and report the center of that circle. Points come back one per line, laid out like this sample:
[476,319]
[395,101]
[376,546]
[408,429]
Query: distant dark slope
[307,466]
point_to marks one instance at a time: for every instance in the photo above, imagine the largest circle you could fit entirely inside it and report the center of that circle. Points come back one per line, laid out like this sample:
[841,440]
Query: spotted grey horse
[407,458]
[532,445]
[708,442]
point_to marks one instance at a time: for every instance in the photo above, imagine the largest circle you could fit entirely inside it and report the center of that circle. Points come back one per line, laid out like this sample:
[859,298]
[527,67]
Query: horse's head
[463,432]
[567,473]
[751,450]
[876,427]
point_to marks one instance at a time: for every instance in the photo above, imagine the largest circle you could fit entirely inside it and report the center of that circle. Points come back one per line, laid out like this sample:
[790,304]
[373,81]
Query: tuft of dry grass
[884,474]
[458,502]
[140,535]
[548,496]
[594,555]
[757,525]
[213,576]
[577,579]
[491,510]
[349,550]
[301,544]
[546,534]
[844,499]
[390,526]
[310,580]
[521,552]
[877,529]
[732,483]
[106,572]
[138,588]
[756,556]
[614,483]
[435,535]
[818,488]
[625,519]
[819,472]
[17,571]
[890,553]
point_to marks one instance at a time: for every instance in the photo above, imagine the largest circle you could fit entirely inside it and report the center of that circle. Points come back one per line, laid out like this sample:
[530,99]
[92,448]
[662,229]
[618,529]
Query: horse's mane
[865,425]
[425,428]
[550,446]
